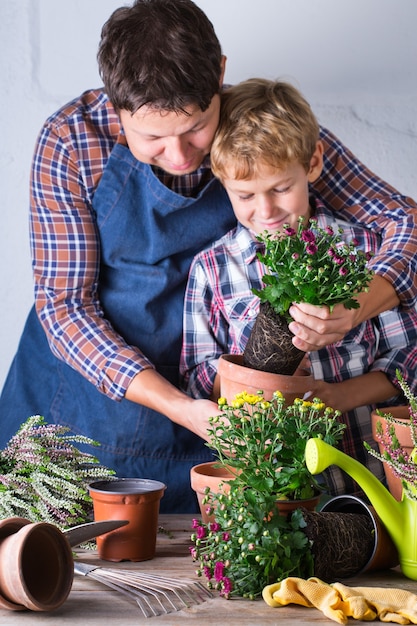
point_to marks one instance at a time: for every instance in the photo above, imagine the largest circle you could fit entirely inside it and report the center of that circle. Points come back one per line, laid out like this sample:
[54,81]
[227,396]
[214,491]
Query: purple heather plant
[312,265]
[44,477]
[403,464]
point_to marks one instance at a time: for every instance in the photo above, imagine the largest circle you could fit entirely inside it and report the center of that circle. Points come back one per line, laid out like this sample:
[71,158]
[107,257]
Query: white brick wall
[354,59]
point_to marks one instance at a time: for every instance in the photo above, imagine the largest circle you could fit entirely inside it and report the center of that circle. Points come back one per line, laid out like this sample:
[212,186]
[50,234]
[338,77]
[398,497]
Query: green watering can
[399,518]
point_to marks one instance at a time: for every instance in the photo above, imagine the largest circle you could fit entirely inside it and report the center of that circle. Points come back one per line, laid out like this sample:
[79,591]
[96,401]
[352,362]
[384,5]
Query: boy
[267,153]
[122,197]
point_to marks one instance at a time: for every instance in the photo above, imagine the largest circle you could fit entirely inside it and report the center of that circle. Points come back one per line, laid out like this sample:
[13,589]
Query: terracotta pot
[288,506]
[385,553]
[136,500]
[235,378]
[207,475]
[36,565]
[404,437]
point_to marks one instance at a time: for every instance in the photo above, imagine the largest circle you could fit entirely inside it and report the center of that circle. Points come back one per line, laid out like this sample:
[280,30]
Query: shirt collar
[248,243]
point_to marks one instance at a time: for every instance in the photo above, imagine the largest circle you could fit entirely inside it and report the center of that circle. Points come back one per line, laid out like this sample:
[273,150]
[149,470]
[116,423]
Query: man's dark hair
[160,53]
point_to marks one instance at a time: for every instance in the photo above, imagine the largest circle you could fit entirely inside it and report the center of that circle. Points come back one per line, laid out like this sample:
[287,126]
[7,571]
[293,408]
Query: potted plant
[262,443]
[44,477]
[398,517]
[244,549]
[395,431]
[312,265]
[397,418]
[209,477]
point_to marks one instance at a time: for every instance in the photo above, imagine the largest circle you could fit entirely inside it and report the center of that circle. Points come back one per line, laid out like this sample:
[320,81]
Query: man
[122,197]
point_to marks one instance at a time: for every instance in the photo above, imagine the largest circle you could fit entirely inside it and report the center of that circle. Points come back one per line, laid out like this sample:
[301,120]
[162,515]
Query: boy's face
[274,197]
[176,142]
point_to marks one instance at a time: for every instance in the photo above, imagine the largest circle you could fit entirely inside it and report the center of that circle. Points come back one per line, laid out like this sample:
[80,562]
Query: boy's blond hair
[262,122]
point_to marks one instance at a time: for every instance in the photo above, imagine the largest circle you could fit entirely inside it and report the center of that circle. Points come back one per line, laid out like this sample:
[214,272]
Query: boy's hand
[331,394]
[315,327]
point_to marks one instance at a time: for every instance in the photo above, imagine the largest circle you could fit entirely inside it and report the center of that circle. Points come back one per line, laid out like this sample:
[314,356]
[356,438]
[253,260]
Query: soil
[270,347]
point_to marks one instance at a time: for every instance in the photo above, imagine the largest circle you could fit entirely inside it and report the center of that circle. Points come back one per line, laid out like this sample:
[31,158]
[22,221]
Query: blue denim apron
[148,237]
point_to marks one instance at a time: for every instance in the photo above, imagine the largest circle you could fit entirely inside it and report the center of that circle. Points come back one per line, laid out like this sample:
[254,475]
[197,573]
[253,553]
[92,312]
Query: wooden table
[90,602]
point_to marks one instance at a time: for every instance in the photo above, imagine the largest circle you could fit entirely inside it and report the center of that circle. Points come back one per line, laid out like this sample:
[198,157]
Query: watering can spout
[320,455]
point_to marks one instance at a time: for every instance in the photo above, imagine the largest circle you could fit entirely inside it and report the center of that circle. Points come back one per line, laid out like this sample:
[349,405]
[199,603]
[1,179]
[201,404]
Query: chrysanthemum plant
[311,265]
[263,443]
[403,464]
[44,477]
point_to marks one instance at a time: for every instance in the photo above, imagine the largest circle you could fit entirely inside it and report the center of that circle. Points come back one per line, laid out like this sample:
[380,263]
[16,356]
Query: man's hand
[197,417]
[152,390]
[369,388]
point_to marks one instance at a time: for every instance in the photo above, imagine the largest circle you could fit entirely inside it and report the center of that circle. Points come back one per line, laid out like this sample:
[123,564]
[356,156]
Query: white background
[355,60]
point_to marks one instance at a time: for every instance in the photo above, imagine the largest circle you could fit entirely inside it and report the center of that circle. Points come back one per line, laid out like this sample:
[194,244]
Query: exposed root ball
[342,543]
[270,347]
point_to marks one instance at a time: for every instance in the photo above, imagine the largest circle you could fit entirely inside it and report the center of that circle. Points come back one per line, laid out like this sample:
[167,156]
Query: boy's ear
[316,163]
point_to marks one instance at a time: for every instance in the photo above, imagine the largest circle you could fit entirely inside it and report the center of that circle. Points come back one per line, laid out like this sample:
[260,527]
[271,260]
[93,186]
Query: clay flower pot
[136,500]
[285,507]
[207,475]
[216,478]
[404,437]
[235,378]
[36,565]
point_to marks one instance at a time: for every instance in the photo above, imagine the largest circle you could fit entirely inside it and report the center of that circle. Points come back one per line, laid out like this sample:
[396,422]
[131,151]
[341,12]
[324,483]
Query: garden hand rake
[155,595]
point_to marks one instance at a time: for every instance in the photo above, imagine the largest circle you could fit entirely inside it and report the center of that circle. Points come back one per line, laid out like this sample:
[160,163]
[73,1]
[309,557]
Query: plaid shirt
[220,310]
[72,151]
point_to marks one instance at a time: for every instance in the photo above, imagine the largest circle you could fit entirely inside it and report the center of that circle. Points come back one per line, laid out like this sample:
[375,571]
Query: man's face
[176,142]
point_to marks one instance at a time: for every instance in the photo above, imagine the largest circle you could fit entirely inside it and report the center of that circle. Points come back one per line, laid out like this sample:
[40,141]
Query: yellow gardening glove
[389,605]
[311,592]
[338,602]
